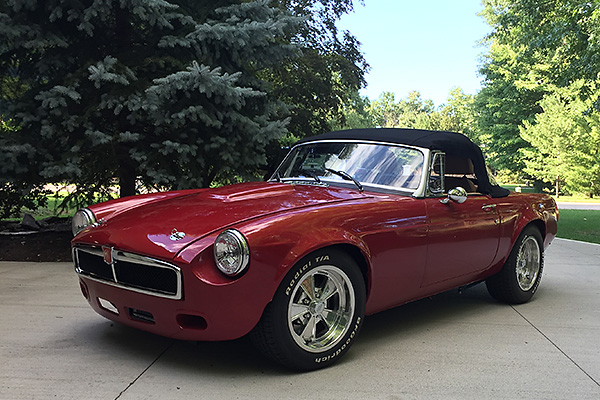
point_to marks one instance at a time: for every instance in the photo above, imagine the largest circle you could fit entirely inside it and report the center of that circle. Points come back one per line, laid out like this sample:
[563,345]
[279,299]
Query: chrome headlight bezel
[83,218]
[231,252]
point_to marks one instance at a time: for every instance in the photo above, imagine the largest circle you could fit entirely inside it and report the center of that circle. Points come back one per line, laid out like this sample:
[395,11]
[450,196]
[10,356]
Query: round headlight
[231,252]
[81,220]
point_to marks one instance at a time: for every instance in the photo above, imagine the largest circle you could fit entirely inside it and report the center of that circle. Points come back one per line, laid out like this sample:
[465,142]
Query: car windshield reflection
[372,165]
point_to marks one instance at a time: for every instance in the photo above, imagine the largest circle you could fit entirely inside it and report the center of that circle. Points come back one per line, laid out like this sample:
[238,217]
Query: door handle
[488,207]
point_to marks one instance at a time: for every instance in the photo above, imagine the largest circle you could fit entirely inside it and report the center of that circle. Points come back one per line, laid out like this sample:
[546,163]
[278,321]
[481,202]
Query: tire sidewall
[506,285]
[294,355]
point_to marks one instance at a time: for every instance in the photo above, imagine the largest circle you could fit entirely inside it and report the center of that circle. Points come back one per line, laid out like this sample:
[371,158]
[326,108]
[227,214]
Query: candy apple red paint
[351,223]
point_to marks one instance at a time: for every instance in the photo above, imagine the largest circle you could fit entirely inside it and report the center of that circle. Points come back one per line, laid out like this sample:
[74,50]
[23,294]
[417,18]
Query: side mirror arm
[457,194]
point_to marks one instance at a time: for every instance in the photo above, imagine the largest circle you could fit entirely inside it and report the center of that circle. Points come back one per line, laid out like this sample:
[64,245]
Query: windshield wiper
[346,176]
[309,173]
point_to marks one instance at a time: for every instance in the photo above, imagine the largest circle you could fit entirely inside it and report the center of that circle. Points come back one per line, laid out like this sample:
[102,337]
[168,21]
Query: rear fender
[543,214]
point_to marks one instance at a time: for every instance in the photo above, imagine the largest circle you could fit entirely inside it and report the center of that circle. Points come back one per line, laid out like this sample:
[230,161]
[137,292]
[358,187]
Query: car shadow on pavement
[240,356]
[234,356]
[413,317]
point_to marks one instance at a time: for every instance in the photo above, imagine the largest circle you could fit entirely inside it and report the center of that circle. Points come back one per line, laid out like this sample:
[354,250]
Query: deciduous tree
[565,144]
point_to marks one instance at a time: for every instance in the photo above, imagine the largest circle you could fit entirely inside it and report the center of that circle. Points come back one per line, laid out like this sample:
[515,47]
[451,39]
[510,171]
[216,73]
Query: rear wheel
[520,276]
[315,314]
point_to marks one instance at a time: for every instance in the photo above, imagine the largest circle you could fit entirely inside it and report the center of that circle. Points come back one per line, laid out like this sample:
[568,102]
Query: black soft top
[451,143]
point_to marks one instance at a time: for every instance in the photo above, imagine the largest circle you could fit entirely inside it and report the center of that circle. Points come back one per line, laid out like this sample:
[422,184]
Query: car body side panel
[390,231]
[462,238]
[391,237]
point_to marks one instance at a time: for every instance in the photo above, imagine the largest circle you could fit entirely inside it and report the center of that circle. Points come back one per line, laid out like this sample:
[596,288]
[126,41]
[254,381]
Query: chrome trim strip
[135,259]
[361,141]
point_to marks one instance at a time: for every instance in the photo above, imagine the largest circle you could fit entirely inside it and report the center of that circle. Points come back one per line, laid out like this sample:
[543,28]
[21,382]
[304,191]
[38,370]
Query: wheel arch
[537,223]
[357,255]
[294,246]
[281,335]
[352,250]
[541,213]
[540,225]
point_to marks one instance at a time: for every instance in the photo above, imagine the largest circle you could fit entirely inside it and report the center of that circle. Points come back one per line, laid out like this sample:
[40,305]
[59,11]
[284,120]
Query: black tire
[521,274]
[315,314]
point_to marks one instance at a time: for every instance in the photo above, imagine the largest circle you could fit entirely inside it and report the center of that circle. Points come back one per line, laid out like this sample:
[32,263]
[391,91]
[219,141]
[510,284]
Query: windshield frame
[367,186]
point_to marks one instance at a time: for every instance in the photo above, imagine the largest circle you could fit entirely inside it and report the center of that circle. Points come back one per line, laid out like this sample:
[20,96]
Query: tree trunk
[209,176]
[557,179]
[127,178]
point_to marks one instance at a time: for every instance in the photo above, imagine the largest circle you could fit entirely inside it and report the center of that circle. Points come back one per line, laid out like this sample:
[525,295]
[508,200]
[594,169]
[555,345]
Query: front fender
[273,251]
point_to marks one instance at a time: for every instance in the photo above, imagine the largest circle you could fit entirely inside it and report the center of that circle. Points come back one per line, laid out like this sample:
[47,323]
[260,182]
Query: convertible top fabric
[451,143]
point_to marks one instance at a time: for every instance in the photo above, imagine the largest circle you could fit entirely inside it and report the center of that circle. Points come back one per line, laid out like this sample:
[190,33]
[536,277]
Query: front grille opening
[140,315]
[94,266]
[141,276]
[130,271]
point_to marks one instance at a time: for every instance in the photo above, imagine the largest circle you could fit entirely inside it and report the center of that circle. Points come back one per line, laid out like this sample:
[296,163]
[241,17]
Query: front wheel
[521,274]
[316,313]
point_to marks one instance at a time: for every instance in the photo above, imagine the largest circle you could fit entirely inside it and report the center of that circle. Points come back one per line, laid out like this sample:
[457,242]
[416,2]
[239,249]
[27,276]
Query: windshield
[374,165]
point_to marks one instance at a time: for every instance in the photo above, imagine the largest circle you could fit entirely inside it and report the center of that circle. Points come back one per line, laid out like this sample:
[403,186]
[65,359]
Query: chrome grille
[131,271]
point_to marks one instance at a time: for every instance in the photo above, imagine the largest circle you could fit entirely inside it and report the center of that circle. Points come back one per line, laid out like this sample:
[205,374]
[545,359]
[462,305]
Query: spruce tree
[166,94]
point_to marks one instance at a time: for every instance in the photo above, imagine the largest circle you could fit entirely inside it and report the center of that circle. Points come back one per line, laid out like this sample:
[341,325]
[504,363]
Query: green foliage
[319,84]
[140,90]
[558,40]
[165,94]
[565,144]
[16,196]
[502,105]
[414,112]
[537,111]
[581,225]
[457,114]
[356,114]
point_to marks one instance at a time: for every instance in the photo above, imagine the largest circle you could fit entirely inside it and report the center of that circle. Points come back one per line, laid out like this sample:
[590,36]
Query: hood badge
[108,253]
[176,235]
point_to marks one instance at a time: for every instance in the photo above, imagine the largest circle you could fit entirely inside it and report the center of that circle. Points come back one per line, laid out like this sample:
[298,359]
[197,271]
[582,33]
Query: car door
[461,239]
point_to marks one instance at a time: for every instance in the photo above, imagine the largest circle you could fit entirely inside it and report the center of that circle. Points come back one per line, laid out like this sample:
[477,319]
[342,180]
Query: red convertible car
[351,223]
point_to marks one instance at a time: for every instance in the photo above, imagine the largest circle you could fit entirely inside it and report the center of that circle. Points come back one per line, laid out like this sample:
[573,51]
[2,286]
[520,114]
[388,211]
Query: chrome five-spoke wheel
[316,312]
[321,308]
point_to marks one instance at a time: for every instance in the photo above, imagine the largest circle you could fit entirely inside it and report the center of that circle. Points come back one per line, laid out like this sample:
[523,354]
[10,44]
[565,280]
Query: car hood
[148,228]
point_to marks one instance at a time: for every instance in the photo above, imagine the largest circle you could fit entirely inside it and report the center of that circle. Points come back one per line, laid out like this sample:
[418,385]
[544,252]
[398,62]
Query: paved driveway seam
[557,347]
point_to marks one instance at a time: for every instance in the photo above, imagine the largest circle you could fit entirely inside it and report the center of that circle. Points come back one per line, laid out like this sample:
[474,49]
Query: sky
[426,45]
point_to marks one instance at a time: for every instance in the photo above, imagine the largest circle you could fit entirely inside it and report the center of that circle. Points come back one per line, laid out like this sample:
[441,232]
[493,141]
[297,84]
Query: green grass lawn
[50,210]
[581,225]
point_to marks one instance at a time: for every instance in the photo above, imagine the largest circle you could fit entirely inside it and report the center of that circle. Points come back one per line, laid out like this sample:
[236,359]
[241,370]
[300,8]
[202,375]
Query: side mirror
[457,194]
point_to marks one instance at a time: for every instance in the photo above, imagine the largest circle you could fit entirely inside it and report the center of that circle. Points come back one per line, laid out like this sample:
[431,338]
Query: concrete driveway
[454,346]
